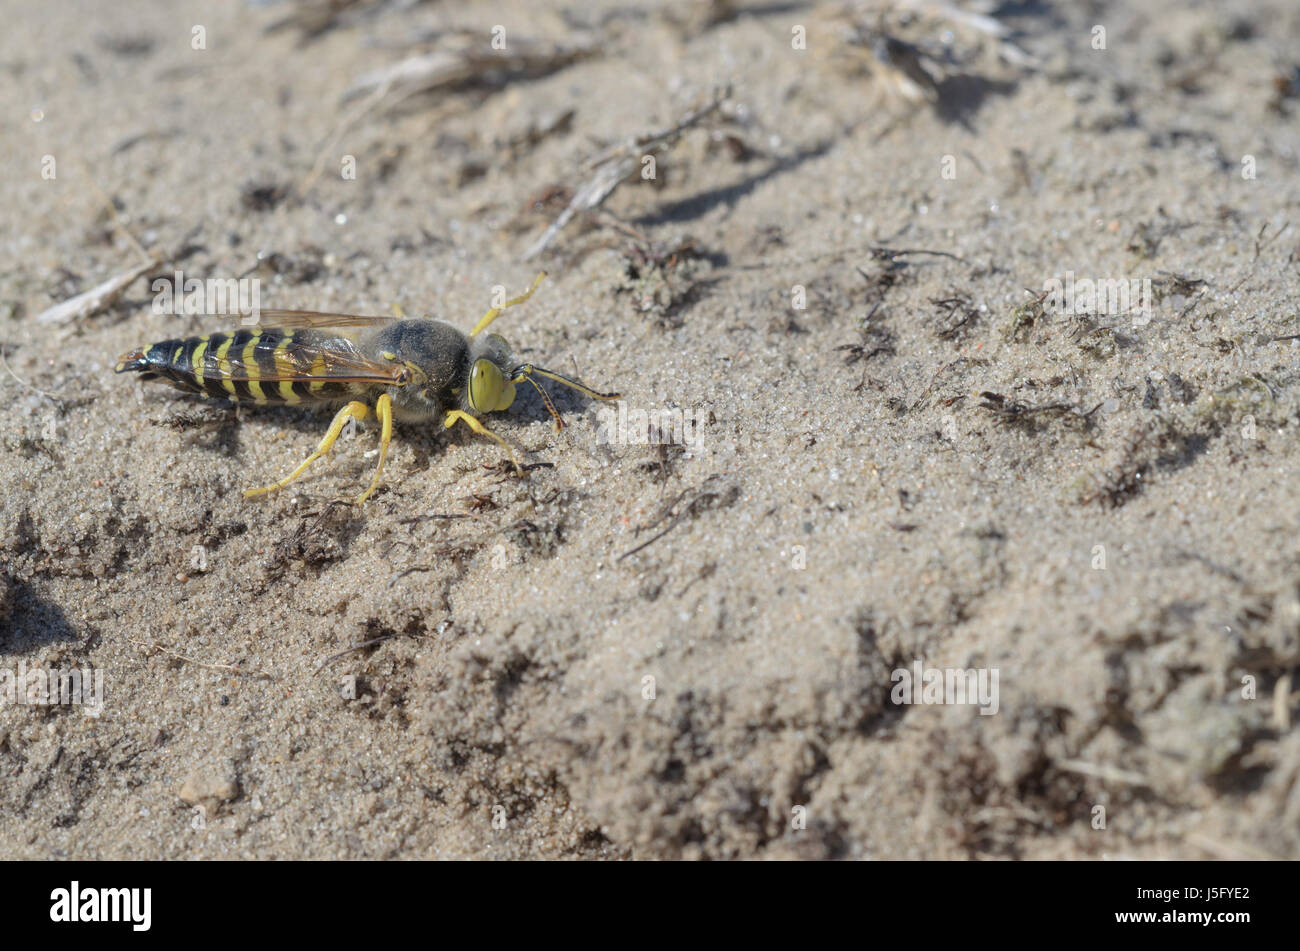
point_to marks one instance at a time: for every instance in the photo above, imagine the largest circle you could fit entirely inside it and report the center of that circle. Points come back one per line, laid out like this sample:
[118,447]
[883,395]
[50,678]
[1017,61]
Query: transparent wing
[306,361]
[310,319]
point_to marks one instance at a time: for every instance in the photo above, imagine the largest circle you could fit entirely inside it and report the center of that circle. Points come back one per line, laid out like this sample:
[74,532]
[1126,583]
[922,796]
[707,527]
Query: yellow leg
[495,312]
[353,410]
[384,410]
[454,414]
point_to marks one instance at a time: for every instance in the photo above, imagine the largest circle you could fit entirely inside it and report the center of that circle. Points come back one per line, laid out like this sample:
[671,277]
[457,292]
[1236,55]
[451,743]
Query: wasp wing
[310,319]
[280,358]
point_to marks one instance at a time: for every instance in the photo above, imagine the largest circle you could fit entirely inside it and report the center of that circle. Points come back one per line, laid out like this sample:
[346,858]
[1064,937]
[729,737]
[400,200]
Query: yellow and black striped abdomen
[247,365]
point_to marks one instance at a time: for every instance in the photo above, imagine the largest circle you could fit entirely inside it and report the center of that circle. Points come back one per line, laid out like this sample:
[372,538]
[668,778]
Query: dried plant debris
[694,17]
[540,534]
[1171,285]
[1250,398]
[1030,418]
[518,143]
[664,277]
[98,298]
[893,43]
[1024,318]
[875,340]
[663,462]
[975,33]
[540,537]
[466,60]
[615,165]
[901,69]
[28,446]
[320,538]
[959,316]
[314,18]
[964,366]
[1098,340]
[715,493]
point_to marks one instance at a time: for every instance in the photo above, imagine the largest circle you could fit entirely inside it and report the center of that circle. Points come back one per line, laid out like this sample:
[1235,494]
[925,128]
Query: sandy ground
[902,458]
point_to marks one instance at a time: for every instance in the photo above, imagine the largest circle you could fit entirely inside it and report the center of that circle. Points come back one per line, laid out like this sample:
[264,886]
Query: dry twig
[617,164]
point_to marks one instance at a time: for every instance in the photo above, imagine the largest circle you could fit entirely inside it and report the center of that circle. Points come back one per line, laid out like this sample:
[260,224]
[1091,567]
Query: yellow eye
[488,389]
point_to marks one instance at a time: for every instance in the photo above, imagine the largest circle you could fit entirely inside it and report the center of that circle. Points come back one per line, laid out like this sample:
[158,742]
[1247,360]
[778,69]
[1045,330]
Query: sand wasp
[414,370]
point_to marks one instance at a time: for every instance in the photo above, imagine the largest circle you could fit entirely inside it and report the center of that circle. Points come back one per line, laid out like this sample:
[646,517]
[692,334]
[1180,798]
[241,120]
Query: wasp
[415,371]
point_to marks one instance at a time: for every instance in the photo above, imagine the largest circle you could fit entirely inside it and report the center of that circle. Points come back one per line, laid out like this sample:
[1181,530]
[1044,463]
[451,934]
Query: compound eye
[486,387]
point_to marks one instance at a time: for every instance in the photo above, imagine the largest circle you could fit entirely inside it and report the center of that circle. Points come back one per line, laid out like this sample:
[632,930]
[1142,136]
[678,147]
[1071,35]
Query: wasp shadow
[217,426]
